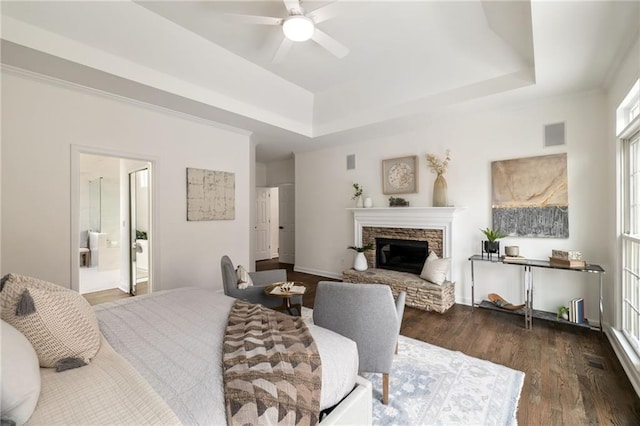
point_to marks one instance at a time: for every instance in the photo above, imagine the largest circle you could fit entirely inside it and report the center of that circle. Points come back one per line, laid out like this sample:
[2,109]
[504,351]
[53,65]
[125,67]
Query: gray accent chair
[368,315]
[255,294]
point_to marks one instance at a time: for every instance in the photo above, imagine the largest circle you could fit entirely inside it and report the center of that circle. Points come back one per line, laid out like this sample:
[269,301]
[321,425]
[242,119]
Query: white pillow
[435,269]
[20,376]
[244,279]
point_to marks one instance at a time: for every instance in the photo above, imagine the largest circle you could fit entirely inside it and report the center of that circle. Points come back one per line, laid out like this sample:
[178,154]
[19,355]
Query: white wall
[40,123]
[476,138]
[261,175]
[279,172]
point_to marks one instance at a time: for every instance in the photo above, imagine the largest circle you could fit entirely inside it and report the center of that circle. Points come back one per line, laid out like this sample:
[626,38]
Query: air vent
[351,162]
[554,134]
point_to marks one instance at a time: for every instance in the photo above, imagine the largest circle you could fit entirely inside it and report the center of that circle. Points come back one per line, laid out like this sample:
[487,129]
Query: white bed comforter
[174,340]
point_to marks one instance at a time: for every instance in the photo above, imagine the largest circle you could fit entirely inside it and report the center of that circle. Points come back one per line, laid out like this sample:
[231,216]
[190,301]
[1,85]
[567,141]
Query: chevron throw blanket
[271,366]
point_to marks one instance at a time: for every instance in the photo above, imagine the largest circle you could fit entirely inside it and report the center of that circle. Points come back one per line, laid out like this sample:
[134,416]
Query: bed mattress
[174,340]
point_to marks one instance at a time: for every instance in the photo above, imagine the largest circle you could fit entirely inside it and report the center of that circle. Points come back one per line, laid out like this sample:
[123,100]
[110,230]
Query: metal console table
[528,266]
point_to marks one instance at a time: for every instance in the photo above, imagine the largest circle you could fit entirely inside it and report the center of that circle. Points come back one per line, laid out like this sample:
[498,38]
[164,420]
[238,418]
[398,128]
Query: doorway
[275,223]
[105,230]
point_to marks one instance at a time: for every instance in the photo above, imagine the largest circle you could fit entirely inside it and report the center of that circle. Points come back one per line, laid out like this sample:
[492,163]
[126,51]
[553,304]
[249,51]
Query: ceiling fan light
[298,28]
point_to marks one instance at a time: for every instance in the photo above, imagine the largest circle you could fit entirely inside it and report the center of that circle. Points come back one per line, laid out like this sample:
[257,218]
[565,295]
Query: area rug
[430,385]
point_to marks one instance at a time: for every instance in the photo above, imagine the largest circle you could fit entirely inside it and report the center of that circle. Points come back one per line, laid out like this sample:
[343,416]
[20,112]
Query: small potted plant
[360,262]
[357,195]
[398,202]
[563,312]
[491,245]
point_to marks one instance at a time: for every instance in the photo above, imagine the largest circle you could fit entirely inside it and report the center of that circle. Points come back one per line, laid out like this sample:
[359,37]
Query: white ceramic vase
[368,202]
[359,203]
[360,262]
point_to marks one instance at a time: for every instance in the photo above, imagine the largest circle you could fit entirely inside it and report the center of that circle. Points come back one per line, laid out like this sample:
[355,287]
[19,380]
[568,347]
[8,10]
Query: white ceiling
[406,59]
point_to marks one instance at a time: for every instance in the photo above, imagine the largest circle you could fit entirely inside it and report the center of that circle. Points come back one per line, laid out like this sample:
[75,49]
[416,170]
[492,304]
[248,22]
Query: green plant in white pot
[357,195]
[360,262]
[563,312]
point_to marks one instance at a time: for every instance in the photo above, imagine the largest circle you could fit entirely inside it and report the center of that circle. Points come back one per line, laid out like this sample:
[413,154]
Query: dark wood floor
[572,375]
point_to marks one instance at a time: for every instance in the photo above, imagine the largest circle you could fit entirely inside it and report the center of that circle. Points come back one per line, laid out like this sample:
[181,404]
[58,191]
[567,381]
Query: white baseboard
[463,301]
[317,272]
[626,355]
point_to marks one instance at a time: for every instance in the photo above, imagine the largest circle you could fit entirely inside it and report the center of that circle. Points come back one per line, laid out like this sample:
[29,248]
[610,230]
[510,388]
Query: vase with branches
[439,167]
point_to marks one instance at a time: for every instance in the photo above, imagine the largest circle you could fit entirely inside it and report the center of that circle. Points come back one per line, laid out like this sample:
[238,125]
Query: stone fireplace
[433,238]
[435,225]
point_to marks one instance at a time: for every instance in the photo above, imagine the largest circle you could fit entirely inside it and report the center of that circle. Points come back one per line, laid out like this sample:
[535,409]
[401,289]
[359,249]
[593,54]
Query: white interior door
[287,219]
[263,233]
[139,232]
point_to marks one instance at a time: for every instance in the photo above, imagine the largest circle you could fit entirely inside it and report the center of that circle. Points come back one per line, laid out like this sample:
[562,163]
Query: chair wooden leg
[385,388]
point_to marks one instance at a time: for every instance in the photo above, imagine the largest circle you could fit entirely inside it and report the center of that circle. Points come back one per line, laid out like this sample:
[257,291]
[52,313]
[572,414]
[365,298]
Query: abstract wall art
[400,175]
[210,195]
[530,196]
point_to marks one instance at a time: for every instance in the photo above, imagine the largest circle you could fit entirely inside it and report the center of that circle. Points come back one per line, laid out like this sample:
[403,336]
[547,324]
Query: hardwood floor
[572,375]
[105,296]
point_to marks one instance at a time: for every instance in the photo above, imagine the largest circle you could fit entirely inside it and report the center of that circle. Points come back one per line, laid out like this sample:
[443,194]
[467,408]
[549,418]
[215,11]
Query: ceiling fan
[297,27]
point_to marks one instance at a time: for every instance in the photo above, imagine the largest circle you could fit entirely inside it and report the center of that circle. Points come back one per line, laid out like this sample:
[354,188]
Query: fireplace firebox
[401,255]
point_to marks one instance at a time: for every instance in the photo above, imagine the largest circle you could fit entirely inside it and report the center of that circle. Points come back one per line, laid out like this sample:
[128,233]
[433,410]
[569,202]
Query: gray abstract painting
[530,196]
[210,195]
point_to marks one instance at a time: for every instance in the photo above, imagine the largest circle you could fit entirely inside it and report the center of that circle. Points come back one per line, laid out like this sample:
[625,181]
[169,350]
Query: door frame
[154,246]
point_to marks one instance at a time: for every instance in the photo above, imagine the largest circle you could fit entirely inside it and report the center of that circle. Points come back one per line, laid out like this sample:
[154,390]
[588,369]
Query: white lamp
[298,28]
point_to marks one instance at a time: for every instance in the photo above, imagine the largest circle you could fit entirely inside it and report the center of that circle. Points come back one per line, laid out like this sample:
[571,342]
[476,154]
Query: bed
[160,363]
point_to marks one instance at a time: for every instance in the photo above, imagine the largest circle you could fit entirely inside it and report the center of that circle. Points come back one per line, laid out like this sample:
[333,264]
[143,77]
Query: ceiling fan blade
[329,43]
[324,13]
[293,5]
[253,19]
[282,50]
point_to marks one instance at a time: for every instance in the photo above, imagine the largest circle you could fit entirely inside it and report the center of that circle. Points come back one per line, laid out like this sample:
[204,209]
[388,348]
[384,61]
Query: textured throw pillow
[59,323]
[244,279]
[435,269]
[20,376]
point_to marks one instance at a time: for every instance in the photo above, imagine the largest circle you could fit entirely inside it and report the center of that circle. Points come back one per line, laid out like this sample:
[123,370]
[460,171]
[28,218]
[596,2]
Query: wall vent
[351,162]
[554,134]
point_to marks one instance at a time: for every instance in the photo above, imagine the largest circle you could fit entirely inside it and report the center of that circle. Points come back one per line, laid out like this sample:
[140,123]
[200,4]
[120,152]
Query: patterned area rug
[430,385]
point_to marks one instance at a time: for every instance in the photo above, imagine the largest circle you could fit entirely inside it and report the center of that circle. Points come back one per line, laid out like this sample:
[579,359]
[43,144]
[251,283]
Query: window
[631,243]
[629,127]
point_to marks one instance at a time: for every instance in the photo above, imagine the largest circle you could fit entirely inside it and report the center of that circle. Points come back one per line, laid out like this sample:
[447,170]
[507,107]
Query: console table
[529,265]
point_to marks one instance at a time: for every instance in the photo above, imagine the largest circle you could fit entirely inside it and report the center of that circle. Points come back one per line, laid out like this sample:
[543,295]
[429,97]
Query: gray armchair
[254,294]
[368,315]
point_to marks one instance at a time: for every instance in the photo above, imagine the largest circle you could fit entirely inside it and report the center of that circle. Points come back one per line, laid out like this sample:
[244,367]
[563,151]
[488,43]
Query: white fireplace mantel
[442,218]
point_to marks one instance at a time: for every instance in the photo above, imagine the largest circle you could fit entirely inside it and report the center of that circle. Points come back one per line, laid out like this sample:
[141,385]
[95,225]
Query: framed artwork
[530,196]
[211,195]
[400,175]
